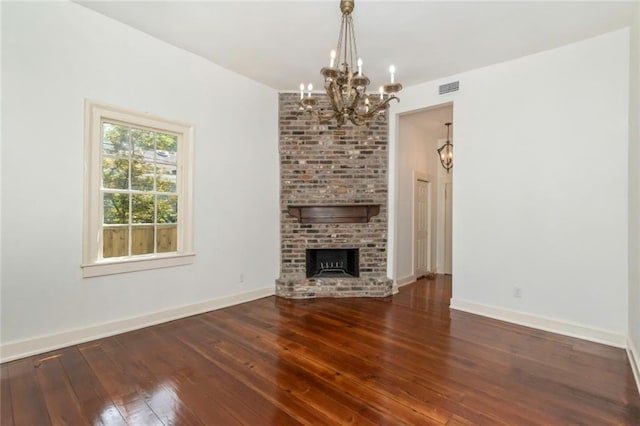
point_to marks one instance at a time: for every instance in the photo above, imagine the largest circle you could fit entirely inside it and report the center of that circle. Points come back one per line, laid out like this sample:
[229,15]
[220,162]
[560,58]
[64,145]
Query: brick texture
[321,164]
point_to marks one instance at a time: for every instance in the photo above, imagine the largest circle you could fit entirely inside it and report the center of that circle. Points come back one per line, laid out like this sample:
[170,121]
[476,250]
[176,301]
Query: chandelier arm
[333,93]
[354,104]
[320,115]
[380,106]
[386,102]
[324,118]
[360,119]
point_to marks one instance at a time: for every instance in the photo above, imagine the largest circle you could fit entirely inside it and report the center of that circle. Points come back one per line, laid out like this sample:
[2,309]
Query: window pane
[115,173]
[115,140]
[166,176]
[116,208]
[142,175]
[142,208]
[167,209]
[167,240]
[143,143]
[142,240]
[166,157]
[115,241]
[166,148]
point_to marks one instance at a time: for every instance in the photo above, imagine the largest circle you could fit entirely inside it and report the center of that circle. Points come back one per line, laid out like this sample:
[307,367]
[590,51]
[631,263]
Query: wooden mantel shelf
[335,213]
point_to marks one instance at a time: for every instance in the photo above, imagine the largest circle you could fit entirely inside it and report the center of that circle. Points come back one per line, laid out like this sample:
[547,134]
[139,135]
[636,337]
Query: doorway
[424,192]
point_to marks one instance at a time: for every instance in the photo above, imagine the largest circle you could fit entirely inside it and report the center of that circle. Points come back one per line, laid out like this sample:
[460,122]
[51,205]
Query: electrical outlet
[517,292]
[241,278]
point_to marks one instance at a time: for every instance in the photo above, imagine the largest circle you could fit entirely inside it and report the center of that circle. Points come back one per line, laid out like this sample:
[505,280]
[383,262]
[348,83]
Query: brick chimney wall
[321,164]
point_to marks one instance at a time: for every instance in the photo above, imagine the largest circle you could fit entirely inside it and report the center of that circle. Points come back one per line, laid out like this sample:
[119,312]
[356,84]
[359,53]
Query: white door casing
[448,219]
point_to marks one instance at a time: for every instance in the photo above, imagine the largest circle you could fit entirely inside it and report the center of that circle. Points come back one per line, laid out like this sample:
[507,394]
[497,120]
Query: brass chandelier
[445,152]
[346,84]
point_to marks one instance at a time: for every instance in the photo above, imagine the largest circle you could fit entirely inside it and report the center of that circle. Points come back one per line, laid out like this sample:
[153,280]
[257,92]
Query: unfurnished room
[319,212]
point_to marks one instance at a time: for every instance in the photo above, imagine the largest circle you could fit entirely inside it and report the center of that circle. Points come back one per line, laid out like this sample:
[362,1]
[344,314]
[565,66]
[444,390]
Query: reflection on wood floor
[405,359]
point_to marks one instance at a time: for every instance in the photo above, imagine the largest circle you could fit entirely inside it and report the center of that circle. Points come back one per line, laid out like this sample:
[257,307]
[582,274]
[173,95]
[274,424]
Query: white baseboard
[634,360]
[405,280]
[542,323]
[23,348]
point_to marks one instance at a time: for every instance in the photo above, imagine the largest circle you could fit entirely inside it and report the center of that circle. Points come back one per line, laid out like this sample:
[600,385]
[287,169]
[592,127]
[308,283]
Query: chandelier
[346,84]
[445,152]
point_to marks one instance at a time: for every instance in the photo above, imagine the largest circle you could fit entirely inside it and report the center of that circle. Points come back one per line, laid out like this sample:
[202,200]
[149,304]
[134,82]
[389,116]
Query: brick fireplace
[333,196]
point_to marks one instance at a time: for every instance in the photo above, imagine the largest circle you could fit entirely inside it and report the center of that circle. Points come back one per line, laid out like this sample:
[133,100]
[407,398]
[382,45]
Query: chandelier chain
[353,48]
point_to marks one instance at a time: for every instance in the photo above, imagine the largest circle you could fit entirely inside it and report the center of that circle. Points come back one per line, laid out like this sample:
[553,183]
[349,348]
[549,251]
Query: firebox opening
[333,263]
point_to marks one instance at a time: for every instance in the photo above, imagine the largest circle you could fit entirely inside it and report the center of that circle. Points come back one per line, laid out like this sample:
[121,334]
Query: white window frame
[93,264]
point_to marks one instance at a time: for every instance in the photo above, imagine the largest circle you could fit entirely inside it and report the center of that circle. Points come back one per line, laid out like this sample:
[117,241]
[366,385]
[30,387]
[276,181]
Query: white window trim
[92,264]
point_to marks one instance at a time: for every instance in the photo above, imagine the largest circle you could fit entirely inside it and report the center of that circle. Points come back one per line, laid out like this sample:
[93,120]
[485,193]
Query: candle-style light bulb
[333,58]
[359,66]
[392,71]
[301,90]
[309,88]
[381,91]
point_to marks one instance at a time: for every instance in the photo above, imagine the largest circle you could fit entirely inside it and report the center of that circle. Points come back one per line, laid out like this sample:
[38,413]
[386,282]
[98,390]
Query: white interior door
[422,234]
[448,216]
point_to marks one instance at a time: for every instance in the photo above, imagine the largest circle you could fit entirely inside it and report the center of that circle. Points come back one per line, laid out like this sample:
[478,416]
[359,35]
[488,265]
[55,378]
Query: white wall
[634,194]
[54,56]
[540,198]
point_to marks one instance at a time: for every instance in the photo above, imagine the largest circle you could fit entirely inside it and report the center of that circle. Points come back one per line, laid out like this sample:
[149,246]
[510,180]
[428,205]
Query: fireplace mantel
[334,213]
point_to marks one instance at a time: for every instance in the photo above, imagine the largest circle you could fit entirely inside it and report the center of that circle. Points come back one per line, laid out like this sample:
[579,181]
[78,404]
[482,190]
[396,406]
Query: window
[138,195]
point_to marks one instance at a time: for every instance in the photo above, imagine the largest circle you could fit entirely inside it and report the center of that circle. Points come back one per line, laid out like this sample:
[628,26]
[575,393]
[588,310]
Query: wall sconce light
[446,152]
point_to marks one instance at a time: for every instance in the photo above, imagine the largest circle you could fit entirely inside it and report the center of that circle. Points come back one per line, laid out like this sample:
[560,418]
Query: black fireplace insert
[343,262]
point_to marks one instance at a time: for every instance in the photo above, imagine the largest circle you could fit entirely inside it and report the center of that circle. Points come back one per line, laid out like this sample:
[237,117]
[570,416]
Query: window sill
[111,267]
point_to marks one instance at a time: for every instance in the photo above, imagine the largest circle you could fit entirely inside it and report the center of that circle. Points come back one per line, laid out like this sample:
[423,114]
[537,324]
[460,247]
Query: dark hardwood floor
[405,359]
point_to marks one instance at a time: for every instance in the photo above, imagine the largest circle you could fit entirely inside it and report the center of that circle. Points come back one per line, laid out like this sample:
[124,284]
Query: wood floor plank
[160,392]
[199,381]
[61,401]
[415,409]
[533,366]
[409,380]
[97,407]
[6,406]
[268,388]
[404,359]
[29,407]
[125,393]
[320,409]
[342,355]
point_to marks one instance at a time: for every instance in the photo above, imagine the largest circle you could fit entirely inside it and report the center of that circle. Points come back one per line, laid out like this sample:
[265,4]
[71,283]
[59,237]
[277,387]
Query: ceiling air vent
[449,87]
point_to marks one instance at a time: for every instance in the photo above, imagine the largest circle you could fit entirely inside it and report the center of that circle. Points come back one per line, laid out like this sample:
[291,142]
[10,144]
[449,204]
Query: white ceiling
[281,43]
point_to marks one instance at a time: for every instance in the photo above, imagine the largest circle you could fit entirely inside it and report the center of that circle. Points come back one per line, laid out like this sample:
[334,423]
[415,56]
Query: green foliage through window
[139,187]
